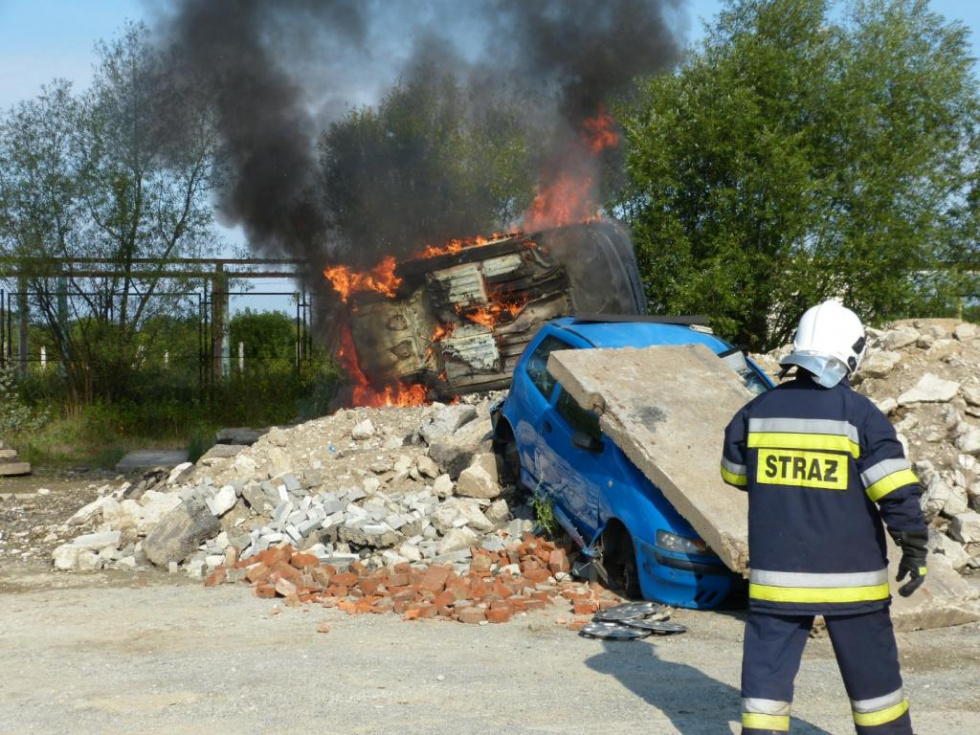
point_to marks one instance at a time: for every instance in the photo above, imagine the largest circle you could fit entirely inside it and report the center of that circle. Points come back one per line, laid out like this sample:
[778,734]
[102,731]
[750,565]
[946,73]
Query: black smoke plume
[282,71]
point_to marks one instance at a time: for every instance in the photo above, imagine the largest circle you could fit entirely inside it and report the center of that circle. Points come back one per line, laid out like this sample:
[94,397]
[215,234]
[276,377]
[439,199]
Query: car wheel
[619,562]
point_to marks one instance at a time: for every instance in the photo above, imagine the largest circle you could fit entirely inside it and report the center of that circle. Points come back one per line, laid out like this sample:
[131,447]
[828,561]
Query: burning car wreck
[455,319]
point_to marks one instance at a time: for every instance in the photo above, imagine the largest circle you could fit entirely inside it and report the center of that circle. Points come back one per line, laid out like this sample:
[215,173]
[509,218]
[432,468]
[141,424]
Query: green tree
[801,153]
[431,162]
[266,335]
[121,173]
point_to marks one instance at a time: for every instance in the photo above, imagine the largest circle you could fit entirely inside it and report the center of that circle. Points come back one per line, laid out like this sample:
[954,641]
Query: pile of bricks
[525,576]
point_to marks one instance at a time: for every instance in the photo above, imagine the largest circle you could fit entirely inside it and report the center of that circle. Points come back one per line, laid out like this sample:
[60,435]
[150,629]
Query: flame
[571,197]
[398,394]
[456,246]
[490,315]
[381,278]
[599,132]
[441,332]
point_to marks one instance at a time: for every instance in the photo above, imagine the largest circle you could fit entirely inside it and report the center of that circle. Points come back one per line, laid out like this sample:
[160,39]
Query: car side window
[581,419]
[537,366]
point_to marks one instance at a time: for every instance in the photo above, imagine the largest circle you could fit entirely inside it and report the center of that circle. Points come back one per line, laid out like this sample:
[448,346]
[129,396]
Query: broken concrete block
[363,430]
[427,467]
[444,421]
[457,539]
[179,472]
[879,364]
[15,468]
[223,501]
[443,486]
[945,599]
[180,532]
[895,339]
[65,557]
[476,481]
[98,541]
[965,527]
[930,389]
[454,453]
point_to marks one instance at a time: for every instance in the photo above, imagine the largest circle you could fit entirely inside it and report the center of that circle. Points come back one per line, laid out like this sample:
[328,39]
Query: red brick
[398,579]
[321,575]
[302,560]
[293,601]
[264,589]
[285,587]
[435,578]
[337,591]
[543,554]
[370,586]
[480,564]
[531,605]
[403,567]
[577,625]
[537,576]
[257,572]
[471,615]
[284,569]
[584,607]
[558,561]
[499,614]
[459,588]
[216,577]
[383,605]
[344,579]
[443,599]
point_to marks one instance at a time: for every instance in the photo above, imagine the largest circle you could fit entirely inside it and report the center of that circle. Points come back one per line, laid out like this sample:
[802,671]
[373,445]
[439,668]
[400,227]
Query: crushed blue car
[551,446]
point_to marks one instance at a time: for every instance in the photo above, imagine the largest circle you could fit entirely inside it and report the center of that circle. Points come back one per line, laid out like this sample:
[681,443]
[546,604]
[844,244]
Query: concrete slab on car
[667,407]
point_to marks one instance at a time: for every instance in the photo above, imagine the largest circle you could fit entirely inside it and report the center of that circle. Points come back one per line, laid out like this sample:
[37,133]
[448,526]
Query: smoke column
[280,71]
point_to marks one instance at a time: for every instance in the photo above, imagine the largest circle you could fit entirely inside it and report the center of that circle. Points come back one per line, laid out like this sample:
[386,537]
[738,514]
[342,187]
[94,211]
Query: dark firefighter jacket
[823,468]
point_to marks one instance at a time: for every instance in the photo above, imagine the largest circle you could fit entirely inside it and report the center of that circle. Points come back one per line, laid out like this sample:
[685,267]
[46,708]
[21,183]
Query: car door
[579,455]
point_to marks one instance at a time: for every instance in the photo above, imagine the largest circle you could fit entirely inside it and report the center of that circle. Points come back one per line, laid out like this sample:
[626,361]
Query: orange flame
[381,278]
[456,246]
[490,315]
[599,132]
[364,394]
[571,196]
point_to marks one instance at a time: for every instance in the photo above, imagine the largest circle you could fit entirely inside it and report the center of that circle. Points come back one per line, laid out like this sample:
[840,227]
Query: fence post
[241,357]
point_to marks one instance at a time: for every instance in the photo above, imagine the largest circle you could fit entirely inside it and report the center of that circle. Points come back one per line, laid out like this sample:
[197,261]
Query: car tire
[619,562]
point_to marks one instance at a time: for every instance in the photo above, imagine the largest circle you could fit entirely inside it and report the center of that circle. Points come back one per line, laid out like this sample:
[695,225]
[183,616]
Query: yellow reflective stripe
[732,479]
[755,721]
[891,482]
[785,440]
[922,571]
[882,716]
[818,594]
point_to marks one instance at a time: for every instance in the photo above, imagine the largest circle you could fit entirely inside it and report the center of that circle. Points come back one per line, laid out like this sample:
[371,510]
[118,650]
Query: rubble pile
[380,487]
[925,375]
[525,575]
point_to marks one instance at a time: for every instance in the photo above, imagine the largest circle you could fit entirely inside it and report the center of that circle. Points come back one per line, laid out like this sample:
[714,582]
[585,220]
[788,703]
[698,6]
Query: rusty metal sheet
[463,284]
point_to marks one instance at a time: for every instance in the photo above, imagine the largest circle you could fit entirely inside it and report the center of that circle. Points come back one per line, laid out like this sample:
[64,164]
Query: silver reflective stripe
[867,706]
[805,426]
[766,707]
[881,470]
[809,580]
[735,469]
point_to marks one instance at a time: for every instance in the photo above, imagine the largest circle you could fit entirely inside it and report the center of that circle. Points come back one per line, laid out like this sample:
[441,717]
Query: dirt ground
[151,653]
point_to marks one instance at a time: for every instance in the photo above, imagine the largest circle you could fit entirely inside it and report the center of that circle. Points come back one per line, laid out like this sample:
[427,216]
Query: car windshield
[737,361]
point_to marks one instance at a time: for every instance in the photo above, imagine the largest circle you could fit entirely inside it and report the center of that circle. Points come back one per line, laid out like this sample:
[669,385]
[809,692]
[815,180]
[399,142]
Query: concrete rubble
[360,492]
[366,491]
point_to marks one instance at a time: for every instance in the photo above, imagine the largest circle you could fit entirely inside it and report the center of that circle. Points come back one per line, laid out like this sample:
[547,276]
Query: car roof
[638,334]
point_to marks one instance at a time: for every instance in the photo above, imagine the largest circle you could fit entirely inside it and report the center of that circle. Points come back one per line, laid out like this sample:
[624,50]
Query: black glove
[913,563]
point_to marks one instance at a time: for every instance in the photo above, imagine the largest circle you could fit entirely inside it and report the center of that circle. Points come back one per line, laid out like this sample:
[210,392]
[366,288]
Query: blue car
[553,447]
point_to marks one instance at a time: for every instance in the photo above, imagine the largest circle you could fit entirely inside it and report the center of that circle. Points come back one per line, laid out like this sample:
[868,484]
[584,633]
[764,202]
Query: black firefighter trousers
[866,654]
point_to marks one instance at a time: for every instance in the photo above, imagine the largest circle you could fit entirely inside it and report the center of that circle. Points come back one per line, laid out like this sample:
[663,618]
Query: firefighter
[823,468]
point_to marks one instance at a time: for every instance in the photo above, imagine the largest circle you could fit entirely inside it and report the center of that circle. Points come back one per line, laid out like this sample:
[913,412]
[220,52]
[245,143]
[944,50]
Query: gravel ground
[150,653]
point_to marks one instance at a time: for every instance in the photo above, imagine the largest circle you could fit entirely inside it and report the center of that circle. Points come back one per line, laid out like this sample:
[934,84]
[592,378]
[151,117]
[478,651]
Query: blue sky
[44,39]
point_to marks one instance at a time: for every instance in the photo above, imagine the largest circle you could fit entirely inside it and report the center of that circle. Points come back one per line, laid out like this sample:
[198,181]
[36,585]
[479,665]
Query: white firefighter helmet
[829,343]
